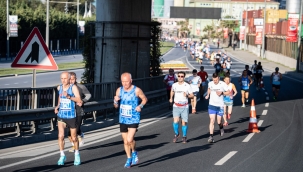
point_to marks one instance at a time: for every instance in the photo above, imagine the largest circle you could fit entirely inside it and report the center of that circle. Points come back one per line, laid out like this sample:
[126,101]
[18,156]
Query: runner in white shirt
[194,82]
[181,92]
[216,90]
[228,64]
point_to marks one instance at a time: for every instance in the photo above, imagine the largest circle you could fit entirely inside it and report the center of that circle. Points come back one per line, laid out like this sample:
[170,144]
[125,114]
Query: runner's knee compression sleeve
[184,130]
[176,128]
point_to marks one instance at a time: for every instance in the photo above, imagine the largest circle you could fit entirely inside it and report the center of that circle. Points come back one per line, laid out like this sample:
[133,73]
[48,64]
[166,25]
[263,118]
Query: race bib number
[244,83]
[65,104]
[126,111]
[276,78]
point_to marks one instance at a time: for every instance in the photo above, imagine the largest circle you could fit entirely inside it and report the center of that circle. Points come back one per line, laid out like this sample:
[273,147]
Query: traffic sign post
[34,54]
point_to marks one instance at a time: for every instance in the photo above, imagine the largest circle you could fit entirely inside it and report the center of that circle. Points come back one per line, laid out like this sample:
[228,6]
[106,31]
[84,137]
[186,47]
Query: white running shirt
[214,99]
[194,82]
[179,96]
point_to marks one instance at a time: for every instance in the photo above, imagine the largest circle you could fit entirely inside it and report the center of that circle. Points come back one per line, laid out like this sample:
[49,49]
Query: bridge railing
[31,107]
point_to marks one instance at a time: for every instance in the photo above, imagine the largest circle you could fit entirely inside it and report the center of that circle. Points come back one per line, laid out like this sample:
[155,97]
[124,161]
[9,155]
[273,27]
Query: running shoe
[243,106]
[228,116]
[246,100]
[62,160]
[135,159]
[77,160]
[176,138]
[184,140]
[72,149]
[128,163]
[211,139]
[274,98]
[221,132]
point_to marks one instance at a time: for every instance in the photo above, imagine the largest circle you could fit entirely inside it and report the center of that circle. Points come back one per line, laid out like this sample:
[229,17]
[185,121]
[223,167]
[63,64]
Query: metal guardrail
[23,109]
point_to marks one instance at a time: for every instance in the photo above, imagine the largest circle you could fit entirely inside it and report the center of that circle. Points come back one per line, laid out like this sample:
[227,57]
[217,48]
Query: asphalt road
[278,147]
[47,79]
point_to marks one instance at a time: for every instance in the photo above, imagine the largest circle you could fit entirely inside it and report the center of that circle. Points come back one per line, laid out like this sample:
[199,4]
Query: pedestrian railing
[27,108]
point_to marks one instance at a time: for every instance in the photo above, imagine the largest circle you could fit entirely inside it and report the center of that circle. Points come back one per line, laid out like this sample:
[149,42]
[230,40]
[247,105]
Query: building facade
[229,8]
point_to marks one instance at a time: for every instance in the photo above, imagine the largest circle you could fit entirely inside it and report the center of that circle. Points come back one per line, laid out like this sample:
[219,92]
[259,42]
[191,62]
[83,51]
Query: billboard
[242,32]
[13,26]
[195,13]
[259,30]
[292,29]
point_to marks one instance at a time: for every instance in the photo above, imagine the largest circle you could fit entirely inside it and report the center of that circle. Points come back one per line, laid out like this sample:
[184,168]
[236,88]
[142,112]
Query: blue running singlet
[245,82]
[67,107]
[129,102]
[276,78]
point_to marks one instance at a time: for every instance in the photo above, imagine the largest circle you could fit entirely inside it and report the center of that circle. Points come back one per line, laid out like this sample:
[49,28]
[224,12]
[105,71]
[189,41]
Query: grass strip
[166,46]
[62,66]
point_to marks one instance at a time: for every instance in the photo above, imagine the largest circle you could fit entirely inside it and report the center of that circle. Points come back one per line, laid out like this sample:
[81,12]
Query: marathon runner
[169,80]
[276,78]
[216,90]
[254,70]
[194,82]
[217,66]
[181,92]
[66,115]
[245,81]
[259,71]
[249,73]
[228,99]
[129,116]
[204,76]
[228,64]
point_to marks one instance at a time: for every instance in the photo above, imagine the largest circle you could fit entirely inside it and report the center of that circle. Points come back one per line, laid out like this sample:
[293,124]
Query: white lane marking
[260,123]
[267,98]
[240,73]
[264,112]
[86,144]
[266,93]
[234,71]
[25,82]
[266,104]
[248,137]
[226,157]
[15,83]
[6,84]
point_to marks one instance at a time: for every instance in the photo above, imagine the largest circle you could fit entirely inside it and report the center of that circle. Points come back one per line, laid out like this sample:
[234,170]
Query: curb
[88,126]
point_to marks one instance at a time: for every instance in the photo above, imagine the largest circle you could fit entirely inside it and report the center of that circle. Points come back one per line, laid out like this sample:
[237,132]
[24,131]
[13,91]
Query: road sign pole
[7,29]
[34,91]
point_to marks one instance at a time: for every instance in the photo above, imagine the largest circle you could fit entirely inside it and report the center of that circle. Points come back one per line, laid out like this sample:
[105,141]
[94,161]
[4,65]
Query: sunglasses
[179,76]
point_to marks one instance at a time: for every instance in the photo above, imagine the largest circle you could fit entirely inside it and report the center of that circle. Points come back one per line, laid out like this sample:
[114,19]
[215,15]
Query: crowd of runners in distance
[220,91]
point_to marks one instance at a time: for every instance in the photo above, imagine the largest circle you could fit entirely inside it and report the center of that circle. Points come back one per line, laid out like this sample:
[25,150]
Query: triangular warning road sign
[34,54]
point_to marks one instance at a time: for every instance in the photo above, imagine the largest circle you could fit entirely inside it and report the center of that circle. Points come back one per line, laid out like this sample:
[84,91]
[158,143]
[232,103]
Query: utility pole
[7,29]
[245,43]
[77,24]
[47,24]
[299,38]
[263,33]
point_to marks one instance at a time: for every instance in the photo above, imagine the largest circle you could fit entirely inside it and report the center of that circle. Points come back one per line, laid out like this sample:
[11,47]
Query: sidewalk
[248,58]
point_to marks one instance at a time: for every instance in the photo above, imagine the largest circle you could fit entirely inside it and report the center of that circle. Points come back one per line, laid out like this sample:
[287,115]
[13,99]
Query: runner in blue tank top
[276,78]
[129,116]
[245,81]
[66,112]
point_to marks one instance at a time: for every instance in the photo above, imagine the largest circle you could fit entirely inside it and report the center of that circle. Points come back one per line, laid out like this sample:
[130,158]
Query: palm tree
[184,30]
[230,24]
[209,30]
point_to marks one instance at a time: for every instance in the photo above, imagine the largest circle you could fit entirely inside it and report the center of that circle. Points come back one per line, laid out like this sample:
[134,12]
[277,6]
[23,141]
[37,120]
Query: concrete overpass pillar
[120,45]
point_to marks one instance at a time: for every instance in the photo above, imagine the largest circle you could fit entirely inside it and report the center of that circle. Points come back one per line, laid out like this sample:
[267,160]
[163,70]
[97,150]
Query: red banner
[225,32]
[242,32]
[259,30]
[292,30]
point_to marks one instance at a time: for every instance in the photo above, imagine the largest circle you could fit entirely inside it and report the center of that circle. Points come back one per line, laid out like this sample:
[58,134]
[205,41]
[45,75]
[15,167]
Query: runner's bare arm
[117,98]
[77,98]
[143,98]
[251,81]
[280,76]
[171,95]
[57,107]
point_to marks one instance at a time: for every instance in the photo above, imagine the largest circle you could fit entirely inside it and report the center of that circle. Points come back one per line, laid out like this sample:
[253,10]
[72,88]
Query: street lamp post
[7,29]
[263,33]
[246,25]
[47,24]
[299,38]
[77,24]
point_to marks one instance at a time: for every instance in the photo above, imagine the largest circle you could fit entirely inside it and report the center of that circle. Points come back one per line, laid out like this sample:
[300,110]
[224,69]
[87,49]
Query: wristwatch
[141,106]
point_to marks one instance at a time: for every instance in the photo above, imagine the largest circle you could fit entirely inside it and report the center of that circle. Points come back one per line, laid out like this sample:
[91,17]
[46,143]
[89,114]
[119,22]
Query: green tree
[209,30]
[230,24]
[184,30]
